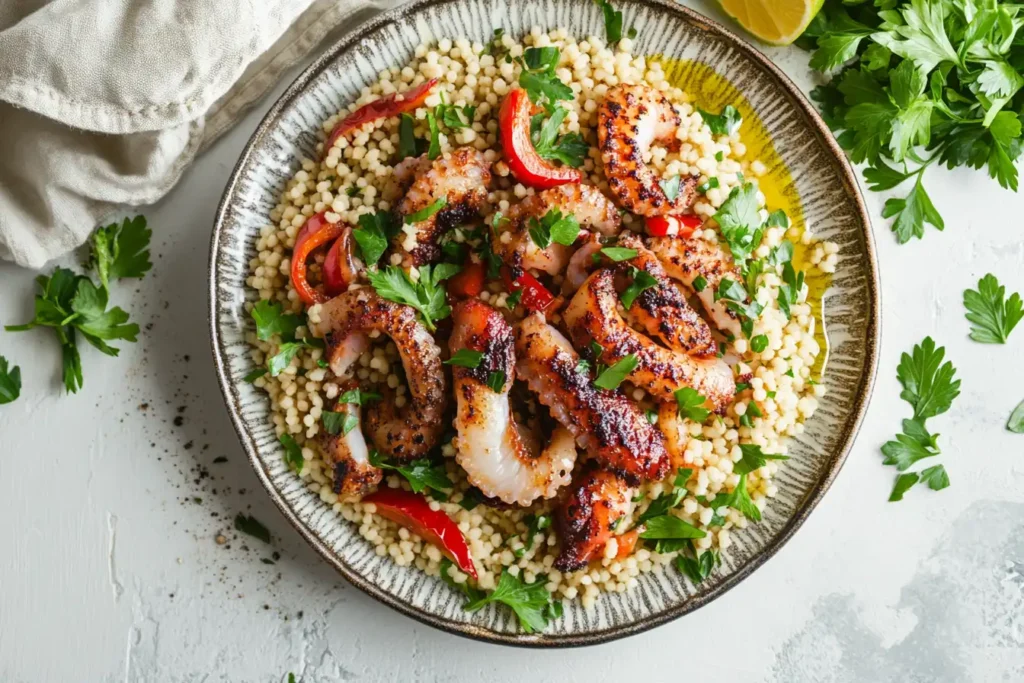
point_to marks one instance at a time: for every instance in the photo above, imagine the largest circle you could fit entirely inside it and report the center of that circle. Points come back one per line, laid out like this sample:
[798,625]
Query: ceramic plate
[821,183]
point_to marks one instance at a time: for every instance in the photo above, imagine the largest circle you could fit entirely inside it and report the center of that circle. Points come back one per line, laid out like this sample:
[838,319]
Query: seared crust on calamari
[586,517]
[591,208]
[462,178]
[631,118]
[685,259]
[404,433]
[349,456]
[592,316]
[608,425]
[662,311]
[488,445]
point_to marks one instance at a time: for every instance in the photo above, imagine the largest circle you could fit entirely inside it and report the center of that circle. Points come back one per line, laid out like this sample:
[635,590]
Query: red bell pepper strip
[315,233]
[681,226]
[536,296]
[469,281]
[526,165]
[382,108]
[412,511]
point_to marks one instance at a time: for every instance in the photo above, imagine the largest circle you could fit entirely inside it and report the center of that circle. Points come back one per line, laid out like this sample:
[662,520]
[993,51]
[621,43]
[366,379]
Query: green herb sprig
[920,82]
[72,304]
[929,386]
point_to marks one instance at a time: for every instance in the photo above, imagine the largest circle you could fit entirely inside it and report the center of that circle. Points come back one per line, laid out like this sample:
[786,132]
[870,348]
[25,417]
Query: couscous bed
[529,294]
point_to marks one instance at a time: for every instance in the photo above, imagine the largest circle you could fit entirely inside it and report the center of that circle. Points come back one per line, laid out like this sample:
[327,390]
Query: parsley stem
[69,319]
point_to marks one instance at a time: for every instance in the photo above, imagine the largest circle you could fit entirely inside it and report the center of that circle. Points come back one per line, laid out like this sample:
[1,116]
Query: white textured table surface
[111,501]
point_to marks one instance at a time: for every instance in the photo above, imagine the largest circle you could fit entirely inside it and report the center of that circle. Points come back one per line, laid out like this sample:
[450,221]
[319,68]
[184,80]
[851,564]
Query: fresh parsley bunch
[918,82]
[73,305]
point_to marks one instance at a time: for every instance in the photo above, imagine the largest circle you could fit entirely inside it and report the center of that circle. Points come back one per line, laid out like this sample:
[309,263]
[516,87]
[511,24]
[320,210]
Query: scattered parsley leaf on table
[252,526]
[10,381]
[929,386]
[991,314]
[1016,421]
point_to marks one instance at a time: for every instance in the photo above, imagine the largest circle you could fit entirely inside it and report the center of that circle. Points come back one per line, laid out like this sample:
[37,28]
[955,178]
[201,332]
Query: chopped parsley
[496,381]
[698,567]
[359,397]
[666,527]
[725,123]
[408,145]
[700,283]
[691,405]
[571,149]
[531,602]
[426,295]
[618,254]
[271,321]
[929,386]
[554,227]
[613,376]
[670,186]
[534,525]
[421,474]
[466,358]
[538,76]
[434,148]
[738,499]
[292,453]
[613,22]
[339,422]
[373,234]
[642,280]
[426,212]
[759,343]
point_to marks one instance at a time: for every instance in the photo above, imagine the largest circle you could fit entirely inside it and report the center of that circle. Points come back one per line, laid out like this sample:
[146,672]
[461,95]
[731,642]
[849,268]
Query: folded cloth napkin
[105,102]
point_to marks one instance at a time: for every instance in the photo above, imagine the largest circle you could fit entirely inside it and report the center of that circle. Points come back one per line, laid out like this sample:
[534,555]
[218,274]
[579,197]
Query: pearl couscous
[771,362]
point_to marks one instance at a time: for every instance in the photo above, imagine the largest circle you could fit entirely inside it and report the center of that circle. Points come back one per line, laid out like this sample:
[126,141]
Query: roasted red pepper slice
[536,296]
[526,165]
[315,233]
[681,226]
[469,281]
[382,108]
[412,511]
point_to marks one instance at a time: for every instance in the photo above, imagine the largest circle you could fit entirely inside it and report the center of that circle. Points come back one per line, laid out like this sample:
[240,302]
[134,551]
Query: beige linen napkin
[105,102]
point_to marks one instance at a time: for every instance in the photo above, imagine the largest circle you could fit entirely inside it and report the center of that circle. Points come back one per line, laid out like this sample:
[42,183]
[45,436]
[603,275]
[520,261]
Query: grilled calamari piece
[586,518]
[460,179]
[349,455]
[585,202]
[592,316]
[685,259]
[497,460]
[404,433]
[609,426]
[630,119]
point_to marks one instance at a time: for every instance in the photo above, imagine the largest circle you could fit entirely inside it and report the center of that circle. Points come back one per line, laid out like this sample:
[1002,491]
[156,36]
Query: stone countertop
[113,499]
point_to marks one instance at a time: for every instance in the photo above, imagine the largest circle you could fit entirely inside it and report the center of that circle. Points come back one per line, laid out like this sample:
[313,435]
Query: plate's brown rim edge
[540,640]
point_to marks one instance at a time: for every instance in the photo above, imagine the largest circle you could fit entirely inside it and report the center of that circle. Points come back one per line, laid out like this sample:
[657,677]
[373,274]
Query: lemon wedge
[778,22]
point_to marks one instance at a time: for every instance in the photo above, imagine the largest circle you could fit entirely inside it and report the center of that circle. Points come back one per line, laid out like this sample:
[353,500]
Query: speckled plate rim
[814,496]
